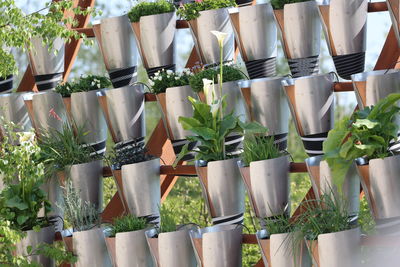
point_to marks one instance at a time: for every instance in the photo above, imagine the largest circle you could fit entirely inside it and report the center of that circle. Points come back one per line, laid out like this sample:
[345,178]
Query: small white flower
[177,78]
[169,72]
[84,76]
[151,83]
[159,78]
[208,88]
[26,137]
[93,83]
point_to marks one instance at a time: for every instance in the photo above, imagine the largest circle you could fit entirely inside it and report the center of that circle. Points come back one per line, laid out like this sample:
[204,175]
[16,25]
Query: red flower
[53,114]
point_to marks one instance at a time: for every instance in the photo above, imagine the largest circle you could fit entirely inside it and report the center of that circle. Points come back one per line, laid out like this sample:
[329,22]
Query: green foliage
[128,223]
[192,10]
[167,220]
[168,79]
[150,8]
[229,72]
[366,134]
[256,148]
[85,84]
[279,4]
[55,251]
[279,225]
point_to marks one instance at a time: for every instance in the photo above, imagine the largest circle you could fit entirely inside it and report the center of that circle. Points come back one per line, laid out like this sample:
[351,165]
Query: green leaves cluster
[279,224]
[128,223]
[167,220]
[85,83]
[256,148]
[150,8]
[167,79]
[279,4]
[366,134]
[192,10]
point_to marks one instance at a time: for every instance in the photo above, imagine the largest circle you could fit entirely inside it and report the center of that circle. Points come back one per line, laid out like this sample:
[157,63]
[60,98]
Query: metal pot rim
[102,92]
[86,163]
[109,19]
[200,163]
[140,163]
[176,88]
[269,160]
[362,76]
[132,232]
[248,83]
[252,7]
[358,228]
[212,10]
[291,81]
[155,15]
[305,3]
[314,161]
[90,92]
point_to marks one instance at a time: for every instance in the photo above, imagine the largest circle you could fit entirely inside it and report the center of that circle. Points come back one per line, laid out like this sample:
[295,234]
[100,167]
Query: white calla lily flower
[208,88]
[220,37]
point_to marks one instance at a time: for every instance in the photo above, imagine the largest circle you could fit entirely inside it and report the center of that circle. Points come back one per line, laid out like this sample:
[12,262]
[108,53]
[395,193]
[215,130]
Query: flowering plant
[167,79]
[192,10]
[85,84]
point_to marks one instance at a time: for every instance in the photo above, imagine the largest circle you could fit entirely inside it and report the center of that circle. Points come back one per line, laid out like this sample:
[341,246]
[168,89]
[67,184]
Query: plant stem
[221,47]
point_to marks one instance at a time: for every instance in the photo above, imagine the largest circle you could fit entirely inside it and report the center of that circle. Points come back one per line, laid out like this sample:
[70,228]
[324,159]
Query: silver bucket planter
[277,251]
[345,27]
[34,239]
[53,189]
[172,249]
[205,42]
[223,190]
[322,183]
[256,35]
[84,111]
[124,109]
[300,29]
[311,102]
[267,183]
[218,246]
[267,105]
[47,65]
[155,37]
[6,84]
[90,247]
[130,249]
[116,41]
[393,7]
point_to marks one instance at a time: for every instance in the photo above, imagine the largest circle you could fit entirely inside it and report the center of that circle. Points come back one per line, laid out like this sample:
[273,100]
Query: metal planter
[53,189]
[6,84]
[311,102]
[267,105]
[223,190]
[116,42]
[345,27]
[267,183]
[205,42]
[47,65]
[33,239]
[218,246]
[256,34]
[393,7]
[322,183]
[300,29]
[91,249]
[155,37]
[124,109]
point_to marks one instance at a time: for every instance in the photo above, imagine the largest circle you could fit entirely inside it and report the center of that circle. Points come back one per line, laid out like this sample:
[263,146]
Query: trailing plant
[128,154]
[367,133]
[167,220]
[128,223]
[168,79]
[150,8]
[85,83]
[192,10]
[279,225]
[256,148]
[279,4]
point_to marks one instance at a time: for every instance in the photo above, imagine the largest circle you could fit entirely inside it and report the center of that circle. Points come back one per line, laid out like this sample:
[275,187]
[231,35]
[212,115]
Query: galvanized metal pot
[47,66]
[91,249]
[311,102]
[345,27]
[155,37]
[205,42]
[123,109]
[172,249]
[53,189]
[223,190]
[323,183]
[218,246]
[6,84]
[266,104]
[300,29]
[34,239]
[267,183]
[393,7]
[256,34]
[115,39]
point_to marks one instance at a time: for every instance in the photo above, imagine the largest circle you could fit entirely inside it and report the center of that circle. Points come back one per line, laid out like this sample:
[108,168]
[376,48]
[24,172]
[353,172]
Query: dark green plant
[128,223]
[167,220]
[279,225]
[167,79]
[150,8]
[230,73]
[85,83]
[192,10]
[279,4]
[367,133]
[128,154]
[256,148]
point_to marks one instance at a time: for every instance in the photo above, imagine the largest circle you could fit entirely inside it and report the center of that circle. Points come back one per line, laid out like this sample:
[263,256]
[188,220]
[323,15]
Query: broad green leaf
[189,123]
[21,219]
[252,128]
[365,122]
[16,202]
[205,133]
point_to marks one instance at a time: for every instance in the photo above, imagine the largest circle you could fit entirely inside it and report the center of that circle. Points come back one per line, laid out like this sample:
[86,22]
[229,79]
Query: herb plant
[84,84]
[192,10]
[256,148]
[279,4]
[167,79]
[279,225]
[150,8]
[128,223]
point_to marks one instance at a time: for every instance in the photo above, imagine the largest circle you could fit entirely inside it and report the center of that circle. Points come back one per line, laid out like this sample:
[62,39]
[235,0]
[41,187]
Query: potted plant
[6,84]
[127,242]
[346,34]
[266,104]
[300,29]
[311,102]
[83,108]
[393,7]
[170,245]
[154,25]
[256,35]
[206,16]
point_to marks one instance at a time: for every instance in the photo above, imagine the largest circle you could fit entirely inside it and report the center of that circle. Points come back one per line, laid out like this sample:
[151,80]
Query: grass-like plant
[128,223]
[167,78]
[256,148]
[279,225]
[150,8]
[85,83]
[167,220]
[192,10]
[279,4]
